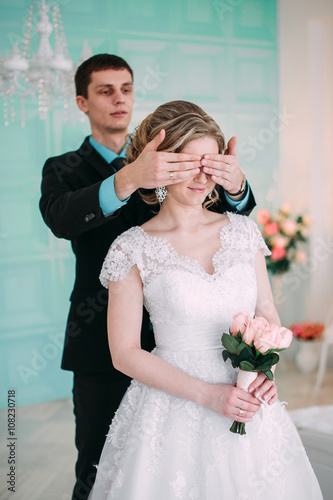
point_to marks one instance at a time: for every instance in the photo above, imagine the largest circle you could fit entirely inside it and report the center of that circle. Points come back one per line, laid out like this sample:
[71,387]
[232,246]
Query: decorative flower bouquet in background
[307,330]
[309,334]
[282,235]
[252,345]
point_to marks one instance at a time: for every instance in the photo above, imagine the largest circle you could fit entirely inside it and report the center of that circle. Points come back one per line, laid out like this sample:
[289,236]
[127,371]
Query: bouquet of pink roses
[252,346]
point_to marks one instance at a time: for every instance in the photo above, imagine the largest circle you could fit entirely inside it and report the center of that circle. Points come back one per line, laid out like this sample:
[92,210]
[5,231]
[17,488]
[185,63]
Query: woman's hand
[264,389]
[229,401]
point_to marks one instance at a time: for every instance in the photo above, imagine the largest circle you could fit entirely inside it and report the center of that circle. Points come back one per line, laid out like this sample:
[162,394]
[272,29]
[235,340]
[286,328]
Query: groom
[89,197]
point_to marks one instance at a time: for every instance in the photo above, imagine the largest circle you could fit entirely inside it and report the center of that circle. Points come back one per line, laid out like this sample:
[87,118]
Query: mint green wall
[219,54]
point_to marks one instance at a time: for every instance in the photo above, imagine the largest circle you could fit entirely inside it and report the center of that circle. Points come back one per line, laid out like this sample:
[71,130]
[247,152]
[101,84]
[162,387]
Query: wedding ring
[171,175]
[241,413]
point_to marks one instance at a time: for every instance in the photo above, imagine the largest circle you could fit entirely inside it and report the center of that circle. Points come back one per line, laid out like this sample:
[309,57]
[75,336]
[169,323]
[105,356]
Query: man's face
[110,100]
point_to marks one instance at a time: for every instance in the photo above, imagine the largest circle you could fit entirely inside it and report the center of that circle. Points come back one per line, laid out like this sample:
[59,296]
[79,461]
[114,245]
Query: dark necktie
[118,163]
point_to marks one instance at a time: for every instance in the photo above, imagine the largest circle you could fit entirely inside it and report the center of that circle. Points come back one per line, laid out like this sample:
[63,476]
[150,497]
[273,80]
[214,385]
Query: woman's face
[194,191]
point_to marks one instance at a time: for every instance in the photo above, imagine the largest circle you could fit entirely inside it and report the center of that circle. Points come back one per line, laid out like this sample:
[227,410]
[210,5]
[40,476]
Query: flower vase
[307,356]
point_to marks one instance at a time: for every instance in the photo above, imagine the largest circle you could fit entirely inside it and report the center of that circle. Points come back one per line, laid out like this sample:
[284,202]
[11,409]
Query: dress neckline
[187,257]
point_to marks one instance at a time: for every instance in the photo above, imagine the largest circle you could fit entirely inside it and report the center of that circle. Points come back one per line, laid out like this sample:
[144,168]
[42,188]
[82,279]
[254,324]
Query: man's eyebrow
[112,84]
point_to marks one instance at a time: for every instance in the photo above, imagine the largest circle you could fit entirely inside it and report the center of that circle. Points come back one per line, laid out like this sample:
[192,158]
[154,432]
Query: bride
[193,269]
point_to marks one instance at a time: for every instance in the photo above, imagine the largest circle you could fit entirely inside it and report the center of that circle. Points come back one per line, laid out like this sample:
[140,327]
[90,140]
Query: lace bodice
[188,307]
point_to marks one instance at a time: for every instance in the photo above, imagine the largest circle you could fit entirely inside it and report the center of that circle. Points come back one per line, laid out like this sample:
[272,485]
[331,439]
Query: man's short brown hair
[98,62]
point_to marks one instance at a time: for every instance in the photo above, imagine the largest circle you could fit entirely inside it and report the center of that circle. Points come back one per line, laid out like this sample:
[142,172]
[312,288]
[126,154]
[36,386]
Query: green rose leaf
[239,337]
[225,355]
[263,367]
[247,366]
[246,354]
[268,359]
[269,374]
[234,360]
[240,347]
[230,343]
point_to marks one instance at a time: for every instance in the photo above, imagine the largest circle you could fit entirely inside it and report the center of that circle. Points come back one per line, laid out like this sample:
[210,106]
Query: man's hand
[224,169]
[155,168]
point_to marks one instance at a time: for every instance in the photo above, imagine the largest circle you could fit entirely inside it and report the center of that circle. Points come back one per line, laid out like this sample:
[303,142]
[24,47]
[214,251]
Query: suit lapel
[89,154]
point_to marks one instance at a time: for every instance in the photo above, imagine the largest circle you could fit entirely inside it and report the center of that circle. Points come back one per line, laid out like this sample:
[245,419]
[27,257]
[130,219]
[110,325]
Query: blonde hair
[183,122]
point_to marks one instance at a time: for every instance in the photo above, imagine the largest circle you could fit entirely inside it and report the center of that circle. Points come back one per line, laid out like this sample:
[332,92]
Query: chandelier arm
[44,76]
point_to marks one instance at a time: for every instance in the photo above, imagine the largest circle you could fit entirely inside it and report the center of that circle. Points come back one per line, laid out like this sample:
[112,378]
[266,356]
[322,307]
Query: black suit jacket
[70,207]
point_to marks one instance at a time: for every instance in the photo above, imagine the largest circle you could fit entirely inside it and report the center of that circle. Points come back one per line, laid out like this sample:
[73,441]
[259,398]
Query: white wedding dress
[161,447]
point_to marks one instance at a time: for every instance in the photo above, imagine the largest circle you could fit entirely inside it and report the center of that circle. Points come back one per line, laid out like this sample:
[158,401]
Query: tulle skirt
[161,447]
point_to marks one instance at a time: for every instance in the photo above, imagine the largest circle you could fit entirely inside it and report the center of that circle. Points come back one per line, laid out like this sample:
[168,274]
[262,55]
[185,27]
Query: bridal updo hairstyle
[183,122]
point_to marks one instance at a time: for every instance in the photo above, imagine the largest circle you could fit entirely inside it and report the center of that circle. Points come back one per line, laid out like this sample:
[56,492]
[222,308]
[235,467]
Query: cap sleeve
[119,259]
[258,241]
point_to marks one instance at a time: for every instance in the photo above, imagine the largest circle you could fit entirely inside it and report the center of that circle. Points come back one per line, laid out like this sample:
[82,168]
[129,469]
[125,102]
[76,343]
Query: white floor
[45,446]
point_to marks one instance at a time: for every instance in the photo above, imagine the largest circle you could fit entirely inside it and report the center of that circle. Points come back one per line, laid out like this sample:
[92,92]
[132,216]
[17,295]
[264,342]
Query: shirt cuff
[239,204]
[108,200]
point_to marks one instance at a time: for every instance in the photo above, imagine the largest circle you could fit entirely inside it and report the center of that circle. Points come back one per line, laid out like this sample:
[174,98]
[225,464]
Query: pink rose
[300,257]
[285,208]
[304,231]
[271,228]
[289,227]
[307,219]
[263,216]
[278,254]
[239,323]
[268,339]
[254,329]
[286,338]
[280,241]
[297,329]
[261,322]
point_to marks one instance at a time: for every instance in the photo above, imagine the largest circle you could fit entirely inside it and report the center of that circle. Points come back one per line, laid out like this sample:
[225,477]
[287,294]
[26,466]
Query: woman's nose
[201,176]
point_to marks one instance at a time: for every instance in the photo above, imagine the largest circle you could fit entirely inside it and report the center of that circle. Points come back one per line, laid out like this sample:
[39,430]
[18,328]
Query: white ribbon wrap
[245,378]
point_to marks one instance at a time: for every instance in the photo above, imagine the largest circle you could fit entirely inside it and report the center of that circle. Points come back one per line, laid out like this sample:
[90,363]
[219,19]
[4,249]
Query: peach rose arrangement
[252,345]
[282,235]
[307,330]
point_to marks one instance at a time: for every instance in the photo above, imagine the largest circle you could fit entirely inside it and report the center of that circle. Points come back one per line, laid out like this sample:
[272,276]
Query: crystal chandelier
[45,77]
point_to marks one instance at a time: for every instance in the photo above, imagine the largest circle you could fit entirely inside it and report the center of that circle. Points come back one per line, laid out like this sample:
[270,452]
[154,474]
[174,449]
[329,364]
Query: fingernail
[203,162]
[251,389]
[265,398]
[258,394]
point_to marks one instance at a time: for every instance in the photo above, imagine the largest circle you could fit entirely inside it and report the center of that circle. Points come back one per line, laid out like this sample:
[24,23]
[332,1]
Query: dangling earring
[161,193]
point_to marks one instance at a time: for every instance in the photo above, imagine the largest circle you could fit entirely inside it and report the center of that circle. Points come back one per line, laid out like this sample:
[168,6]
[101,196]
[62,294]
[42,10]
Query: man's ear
[82,103]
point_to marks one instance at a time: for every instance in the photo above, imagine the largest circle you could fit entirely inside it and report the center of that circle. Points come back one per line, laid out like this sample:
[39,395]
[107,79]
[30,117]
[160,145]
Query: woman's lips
[198,190]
